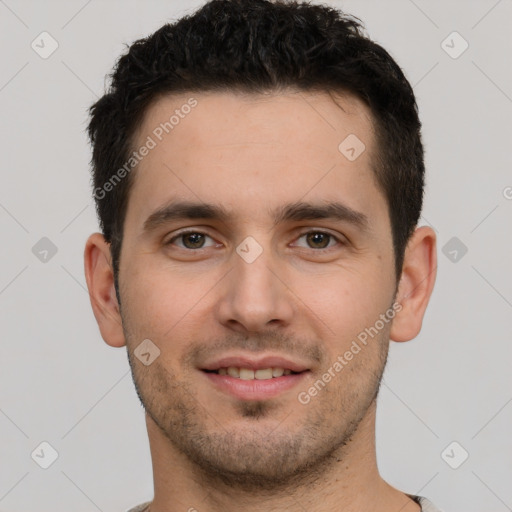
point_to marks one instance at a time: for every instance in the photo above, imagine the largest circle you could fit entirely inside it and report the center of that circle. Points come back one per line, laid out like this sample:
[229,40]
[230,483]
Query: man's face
[254,291]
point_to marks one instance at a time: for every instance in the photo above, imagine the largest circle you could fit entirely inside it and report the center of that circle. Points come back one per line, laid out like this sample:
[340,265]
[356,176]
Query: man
[258,173]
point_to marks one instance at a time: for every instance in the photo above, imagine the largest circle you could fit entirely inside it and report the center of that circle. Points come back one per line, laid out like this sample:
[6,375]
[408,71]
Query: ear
[100,282]
[416,284]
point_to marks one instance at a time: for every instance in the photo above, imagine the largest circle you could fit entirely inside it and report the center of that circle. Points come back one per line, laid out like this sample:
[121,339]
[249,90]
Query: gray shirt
[426,505]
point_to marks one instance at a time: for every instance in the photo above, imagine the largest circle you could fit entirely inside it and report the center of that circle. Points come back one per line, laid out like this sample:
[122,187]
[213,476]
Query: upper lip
[245,361]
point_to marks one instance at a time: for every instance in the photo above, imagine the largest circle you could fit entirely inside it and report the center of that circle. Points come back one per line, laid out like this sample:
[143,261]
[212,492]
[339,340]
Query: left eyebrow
[331,210]
[298,211]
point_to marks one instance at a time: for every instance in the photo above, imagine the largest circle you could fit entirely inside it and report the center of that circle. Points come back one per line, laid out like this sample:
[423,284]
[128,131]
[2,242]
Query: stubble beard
[264,456]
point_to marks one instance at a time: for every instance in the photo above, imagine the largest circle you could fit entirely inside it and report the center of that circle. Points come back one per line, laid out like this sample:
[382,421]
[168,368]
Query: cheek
[343,303]
[162,304]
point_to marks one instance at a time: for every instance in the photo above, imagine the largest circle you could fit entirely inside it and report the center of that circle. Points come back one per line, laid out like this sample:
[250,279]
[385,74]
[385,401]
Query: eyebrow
[298,211]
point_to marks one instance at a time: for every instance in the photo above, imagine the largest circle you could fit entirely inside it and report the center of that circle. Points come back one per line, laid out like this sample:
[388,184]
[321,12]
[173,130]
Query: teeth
[249,374]
[277,372]
[233,371]
[263,374]
[246,374]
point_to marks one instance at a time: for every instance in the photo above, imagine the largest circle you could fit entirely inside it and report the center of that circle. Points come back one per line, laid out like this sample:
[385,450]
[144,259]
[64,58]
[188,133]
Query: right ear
[99,275]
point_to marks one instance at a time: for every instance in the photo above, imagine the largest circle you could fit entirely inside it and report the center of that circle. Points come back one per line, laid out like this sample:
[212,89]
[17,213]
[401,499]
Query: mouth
[248,379]
[251,374]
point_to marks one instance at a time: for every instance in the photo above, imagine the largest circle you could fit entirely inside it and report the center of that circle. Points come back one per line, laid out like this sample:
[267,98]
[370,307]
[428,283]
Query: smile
[250,374]
[248,384]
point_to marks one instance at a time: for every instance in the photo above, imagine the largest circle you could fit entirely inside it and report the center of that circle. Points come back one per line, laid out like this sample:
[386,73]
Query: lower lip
[255,389]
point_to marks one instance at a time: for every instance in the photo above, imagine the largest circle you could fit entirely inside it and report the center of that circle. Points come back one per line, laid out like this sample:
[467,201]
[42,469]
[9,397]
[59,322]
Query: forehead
[242,149]
[237,117]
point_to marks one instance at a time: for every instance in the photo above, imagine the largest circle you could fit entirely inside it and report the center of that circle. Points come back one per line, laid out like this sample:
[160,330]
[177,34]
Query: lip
[255,389]
[243,361]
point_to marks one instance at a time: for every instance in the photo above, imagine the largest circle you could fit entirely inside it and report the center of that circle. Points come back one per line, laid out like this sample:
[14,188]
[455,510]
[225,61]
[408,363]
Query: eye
[190,240]
[194,240]
[319,239]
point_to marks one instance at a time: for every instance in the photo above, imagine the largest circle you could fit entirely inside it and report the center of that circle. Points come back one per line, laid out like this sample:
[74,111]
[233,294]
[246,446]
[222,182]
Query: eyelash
[195,232]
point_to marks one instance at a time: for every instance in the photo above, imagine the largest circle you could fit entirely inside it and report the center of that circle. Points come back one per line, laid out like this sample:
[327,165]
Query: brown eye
[193,240]
[190,240]
[319,240]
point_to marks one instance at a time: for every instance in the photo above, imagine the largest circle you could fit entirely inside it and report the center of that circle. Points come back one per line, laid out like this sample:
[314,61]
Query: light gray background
[60,383]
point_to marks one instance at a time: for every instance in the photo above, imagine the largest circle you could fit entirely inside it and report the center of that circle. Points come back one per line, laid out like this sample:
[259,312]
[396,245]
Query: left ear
[416,284]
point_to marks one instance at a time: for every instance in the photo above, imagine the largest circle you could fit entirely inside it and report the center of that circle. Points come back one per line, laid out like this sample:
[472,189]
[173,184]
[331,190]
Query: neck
[348,481]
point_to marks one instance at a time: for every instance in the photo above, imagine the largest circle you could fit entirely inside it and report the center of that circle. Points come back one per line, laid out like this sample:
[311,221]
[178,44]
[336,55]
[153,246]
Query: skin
[251,154]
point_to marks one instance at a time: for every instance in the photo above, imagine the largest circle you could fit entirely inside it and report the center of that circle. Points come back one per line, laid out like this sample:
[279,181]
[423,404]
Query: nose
[255,295]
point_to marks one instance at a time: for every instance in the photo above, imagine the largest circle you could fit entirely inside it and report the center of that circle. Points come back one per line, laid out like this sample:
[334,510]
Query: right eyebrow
[183,210]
